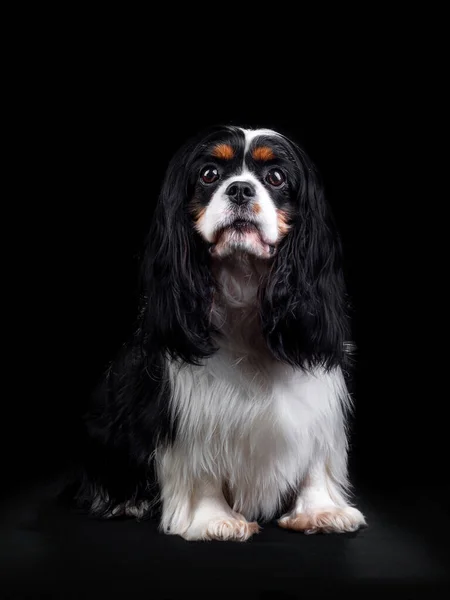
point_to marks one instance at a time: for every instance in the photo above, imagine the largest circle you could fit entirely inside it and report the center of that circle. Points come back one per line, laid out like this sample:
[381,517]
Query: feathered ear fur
[303,303]
[176,275]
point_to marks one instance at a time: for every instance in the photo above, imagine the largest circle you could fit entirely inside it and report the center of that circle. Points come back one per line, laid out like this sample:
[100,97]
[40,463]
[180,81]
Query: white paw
[325,520]
[223,528]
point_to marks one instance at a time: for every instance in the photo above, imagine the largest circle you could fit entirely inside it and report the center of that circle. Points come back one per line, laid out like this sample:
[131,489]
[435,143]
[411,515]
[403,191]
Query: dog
[228,407]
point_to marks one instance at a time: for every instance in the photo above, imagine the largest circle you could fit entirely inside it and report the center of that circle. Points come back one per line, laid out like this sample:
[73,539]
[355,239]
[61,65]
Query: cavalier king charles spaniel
[228,406]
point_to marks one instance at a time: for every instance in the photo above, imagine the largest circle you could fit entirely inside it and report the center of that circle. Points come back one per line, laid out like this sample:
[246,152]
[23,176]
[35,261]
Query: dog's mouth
[238,226]
[236,233]
[243,226]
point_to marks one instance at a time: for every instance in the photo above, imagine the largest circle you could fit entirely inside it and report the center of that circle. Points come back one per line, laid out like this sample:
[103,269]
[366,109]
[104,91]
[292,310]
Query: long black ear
[303,303]
[177,283]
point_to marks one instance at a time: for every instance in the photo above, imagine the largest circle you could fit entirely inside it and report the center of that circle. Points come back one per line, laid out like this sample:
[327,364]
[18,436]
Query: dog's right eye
[209,175]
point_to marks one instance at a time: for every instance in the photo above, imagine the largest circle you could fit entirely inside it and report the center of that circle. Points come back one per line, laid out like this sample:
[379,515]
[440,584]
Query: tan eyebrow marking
[224,151]
[263,153]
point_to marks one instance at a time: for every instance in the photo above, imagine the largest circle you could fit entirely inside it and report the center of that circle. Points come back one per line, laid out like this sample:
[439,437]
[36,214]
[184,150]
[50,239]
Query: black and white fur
[230,401]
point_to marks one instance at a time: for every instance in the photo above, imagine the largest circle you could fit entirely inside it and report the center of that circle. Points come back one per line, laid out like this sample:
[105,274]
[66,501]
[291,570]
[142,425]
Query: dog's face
[243,188]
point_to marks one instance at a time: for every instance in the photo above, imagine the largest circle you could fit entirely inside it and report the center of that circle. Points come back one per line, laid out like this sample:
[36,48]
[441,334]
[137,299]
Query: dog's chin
[241,238]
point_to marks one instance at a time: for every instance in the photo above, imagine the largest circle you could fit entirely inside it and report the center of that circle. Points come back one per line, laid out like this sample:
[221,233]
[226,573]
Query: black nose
[240,192]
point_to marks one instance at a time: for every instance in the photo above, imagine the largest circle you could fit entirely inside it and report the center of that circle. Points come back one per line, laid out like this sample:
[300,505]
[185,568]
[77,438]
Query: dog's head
[234,191]
[245,186]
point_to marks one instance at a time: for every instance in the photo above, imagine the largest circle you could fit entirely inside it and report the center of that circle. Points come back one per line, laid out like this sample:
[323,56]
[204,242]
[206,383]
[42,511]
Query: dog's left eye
[209,175]
[275,177]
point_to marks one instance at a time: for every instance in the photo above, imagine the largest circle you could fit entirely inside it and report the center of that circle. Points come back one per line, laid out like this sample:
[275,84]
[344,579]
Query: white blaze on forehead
[251,134]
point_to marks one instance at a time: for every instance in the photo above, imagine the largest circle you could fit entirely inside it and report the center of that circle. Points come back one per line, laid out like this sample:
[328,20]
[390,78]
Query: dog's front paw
[226,528]
[326,520]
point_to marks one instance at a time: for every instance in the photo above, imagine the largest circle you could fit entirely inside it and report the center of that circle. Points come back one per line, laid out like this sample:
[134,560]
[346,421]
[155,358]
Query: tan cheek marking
[200,215]
[263,153]
[198,212]
[256,208]
[224,151]
[283,222]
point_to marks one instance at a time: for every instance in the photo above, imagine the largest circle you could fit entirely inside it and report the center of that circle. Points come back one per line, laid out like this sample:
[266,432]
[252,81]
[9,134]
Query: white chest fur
[257,428]
[243,418]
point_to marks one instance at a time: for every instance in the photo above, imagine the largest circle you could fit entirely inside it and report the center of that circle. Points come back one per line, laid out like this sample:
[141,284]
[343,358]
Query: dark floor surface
[49,551]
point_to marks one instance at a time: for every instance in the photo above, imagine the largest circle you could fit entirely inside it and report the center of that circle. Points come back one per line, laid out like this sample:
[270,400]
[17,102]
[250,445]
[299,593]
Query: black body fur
[302,311]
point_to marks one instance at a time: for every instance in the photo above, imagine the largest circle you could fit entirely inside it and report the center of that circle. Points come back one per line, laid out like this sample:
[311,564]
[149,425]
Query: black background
[94,133]
[100,143]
